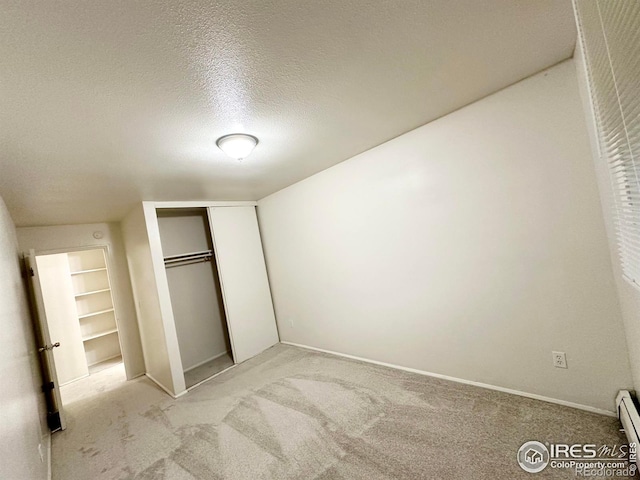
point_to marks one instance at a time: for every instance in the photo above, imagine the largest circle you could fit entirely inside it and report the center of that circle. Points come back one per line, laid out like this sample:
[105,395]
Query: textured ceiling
[103,104]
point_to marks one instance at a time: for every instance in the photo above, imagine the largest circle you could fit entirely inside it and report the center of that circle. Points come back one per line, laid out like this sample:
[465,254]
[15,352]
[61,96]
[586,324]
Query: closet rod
[187,262]
[187,256]
[194,257]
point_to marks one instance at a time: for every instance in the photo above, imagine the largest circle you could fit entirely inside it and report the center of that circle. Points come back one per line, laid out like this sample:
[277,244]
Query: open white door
[243,278]
[50,387]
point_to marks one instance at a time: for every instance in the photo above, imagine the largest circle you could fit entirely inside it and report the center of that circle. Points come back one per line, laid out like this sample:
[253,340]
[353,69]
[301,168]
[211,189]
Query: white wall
[23,417]
[628,295]
[470,247]
[68,237]
[185,231]
[198,312]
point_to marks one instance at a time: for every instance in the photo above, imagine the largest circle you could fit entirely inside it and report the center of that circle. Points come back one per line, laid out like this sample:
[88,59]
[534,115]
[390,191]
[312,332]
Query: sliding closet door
[243,276]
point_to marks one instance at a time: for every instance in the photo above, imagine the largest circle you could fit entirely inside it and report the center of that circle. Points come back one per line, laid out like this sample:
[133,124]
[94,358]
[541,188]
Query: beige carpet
[90,389]
[295,414]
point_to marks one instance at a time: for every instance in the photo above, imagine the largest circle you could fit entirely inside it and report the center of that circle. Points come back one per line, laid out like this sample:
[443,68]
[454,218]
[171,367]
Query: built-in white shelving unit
[94,306]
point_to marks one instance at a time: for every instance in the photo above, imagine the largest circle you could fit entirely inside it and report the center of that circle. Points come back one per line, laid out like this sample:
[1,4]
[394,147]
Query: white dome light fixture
[237,145]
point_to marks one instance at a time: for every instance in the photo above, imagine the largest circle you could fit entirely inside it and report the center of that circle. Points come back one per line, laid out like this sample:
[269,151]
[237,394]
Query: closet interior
[195,292]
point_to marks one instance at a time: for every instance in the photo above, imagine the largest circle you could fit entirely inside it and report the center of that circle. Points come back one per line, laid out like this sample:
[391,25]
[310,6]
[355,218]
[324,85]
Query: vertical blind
[610,35]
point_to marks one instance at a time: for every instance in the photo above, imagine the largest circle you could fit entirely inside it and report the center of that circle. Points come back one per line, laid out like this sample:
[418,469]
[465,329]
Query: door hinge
[47,387]
[31,272]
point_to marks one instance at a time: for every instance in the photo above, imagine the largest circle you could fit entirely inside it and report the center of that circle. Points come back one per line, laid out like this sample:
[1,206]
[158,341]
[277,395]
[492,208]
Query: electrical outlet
[559,359]
[41,452]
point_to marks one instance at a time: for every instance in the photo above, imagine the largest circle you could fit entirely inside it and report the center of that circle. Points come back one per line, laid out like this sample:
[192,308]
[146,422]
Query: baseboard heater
[629,417]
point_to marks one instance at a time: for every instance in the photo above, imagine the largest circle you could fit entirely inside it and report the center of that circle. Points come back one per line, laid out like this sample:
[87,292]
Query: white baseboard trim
[74,380]
[48,450]
[165,388]
[534,396]
[206,361]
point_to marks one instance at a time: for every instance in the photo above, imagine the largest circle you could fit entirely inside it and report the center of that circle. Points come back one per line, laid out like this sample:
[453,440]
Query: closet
[196,295]
[201,289]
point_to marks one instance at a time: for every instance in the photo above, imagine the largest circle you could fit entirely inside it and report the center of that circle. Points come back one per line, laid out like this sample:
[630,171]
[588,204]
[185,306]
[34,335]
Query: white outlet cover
[559,359]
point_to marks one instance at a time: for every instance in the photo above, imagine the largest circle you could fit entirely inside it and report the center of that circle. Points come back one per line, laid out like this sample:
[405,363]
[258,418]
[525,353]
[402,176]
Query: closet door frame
[172,361]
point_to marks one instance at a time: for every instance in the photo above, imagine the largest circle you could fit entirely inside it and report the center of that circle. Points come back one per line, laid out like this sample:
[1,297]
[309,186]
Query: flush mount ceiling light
[237,145]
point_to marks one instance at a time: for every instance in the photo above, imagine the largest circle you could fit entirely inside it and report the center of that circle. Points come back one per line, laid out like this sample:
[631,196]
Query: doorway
[80,315]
